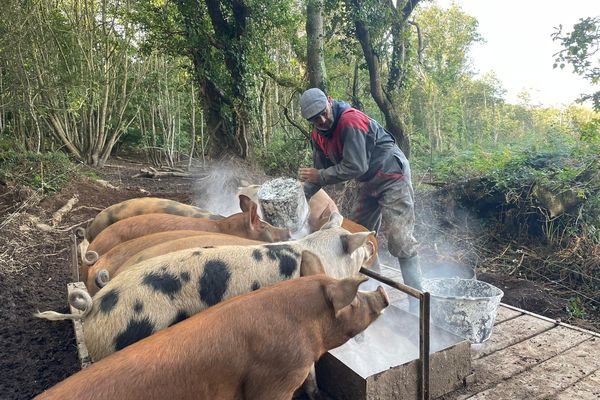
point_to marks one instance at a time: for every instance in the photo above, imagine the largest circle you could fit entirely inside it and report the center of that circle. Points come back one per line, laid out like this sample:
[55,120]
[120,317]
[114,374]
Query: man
[347,144]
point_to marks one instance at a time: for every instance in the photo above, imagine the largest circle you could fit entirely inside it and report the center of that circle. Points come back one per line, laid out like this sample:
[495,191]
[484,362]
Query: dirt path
[34,270]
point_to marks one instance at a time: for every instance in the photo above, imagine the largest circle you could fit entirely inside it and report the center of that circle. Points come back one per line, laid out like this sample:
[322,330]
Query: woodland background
[82,81]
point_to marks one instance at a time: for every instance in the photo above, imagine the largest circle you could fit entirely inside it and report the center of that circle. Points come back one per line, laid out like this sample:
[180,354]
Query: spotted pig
[104,271]
[115,257]
[167,289]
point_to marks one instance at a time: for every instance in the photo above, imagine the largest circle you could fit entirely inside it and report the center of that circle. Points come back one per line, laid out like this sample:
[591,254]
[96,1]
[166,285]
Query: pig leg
[310,387]
[277,385]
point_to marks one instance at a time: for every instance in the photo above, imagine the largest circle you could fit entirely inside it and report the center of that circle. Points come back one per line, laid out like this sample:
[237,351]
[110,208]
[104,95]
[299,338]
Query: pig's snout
[377,300]
[385,299]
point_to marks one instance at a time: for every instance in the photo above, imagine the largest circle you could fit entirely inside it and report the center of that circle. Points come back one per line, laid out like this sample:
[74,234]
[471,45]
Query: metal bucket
[465,307]
[446,269]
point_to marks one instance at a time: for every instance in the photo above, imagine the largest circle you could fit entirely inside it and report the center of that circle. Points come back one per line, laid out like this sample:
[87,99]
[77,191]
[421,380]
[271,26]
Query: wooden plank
[520,357]
[554,321]
[84,356]
[510,332]
[505,313]
[550,377]
[587,388]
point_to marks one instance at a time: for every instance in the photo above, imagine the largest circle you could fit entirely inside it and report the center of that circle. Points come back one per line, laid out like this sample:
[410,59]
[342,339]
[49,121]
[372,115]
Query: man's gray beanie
[312,102]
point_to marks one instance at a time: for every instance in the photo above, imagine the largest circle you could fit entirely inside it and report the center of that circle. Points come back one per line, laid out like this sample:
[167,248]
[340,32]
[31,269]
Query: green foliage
[557,179]
[581,47]
[284,155]
[44,172]
[590,132]
[576,308]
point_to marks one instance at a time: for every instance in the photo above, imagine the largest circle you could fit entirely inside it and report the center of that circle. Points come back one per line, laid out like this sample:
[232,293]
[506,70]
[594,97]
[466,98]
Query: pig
[260,345]
[116,256]
[104,271]
[166,289]
[206,240]
[245,224]
[140,206]
[252,192]
[319,203]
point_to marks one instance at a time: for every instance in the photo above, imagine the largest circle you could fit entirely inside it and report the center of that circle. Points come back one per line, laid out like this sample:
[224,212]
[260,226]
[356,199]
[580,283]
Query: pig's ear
[245,202]
[323,218]
[353,241]
[341,293]
[310,264]
[335,221]
[326,214]
[254,220]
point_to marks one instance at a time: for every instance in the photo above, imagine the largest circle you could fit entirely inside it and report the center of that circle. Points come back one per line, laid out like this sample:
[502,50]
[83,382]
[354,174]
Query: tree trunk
[315,60]
[390,109]
[193,133]
[390,112]
[227,109]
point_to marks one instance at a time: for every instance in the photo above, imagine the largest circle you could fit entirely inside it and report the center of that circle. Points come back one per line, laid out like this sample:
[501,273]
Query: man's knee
[402,246]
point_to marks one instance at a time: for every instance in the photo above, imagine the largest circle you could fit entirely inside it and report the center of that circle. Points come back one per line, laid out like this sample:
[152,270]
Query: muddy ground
[35,260]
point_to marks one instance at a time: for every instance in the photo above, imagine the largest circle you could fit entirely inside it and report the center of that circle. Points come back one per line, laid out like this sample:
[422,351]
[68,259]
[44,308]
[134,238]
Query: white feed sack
[283,203]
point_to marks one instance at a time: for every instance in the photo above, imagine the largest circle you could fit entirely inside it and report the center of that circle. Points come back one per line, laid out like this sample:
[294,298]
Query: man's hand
[309,174]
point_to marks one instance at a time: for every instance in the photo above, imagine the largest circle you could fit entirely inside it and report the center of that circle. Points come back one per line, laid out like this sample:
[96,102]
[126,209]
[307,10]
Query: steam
[218,191]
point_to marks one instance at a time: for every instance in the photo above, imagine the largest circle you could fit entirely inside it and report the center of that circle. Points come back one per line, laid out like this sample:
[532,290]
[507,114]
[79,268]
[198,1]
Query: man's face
[324,120]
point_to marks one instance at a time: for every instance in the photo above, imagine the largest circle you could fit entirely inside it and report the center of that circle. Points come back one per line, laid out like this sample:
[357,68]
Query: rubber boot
[412,276]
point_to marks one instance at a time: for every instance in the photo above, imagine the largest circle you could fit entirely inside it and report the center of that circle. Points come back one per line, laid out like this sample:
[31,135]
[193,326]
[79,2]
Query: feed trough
[383,361]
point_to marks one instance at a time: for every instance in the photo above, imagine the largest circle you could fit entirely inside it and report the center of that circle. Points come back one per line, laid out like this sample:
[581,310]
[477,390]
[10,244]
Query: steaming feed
[283,203]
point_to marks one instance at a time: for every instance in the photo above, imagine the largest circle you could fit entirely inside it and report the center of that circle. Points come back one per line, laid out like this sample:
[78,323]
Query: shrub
[45,172]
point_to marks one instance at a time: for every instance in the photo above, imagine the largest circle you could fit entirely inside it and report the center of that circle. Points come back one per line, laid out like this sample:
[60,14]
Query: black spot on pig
[288,258]
[109,301]
[164,282]
[257,255]
[185,277]
[275,251]
[214,282]
[113,214]
[196,253]
[176,209]
[136,330]
[287,266]
[181,315]
[255,286]
[111,218]
[138,307]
